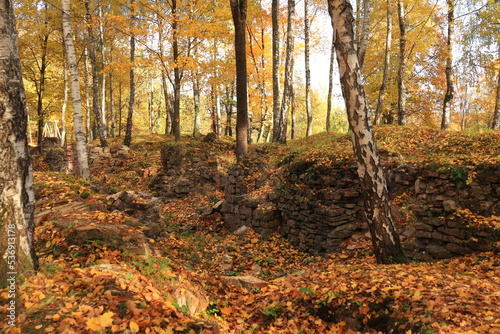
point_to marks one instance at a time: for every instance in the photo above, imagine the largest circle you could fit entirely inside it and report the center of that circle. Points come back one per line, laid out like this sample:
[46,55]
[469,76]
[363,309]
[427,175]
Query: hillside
[113,259]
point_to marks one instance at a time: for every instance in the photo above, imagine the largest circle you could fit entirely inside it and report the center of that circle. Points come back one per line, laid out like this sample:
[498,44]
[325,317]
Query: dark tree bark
[239,14]
[387,60]
[386,245]
[17,198]
[288,86]
[330,86]
[40,85]
[128,130]
[176,117]
[228,129]
[402,64]
[450,87]
[96,106]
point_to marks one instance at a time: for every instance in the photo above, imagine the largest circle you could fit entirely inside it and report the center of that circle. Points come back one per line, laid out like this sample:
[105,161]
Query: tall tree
[386,244]
[17,198]
[279,120]
[450,87]
[402,64]
[239,13]
[387,60]
[495,124]
[128,130]
[307,38]
[81,146]
[176,117]
[364,35]
[288,101]
[330,85]
[42,68]
[197,106]
[96,103]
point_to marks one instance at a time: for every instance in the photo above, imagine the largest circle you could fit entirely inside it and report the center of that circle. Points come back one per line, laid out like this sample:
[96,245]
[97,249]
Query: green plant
[307,291]
[273,310]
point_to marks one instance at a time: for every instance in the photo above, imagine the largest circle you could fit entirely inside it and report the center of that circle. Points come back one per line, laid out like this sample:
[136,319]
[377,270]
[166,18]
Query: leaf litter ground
[96,289]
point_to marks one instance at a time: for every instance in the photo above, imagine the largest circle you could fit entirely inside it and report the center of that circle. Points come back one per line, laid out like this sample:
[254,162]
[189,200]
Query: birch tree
[17,198]
[81,146]
[450,89]
[386,245]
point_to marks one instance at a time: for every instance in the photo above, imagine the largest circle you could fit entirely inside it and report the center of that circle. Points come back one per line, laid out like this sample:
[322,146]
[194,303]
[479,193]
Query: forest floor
[94,288]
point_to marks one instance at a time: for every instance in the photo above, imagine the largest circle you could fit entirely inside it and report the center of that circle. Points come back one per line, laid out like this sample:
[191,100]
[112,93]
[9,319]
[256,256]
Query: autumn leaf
[100,322]
[134,326]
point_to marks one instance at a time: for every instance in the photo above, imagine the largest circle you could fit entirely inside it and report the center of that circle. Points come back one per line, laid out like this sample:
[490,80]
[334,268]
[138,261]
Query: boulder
[245,282]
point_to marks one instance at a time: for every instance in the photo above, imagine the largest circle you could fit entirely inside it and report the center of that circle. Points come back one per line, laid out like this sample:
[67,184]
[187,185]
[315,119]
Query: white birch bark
[81,146]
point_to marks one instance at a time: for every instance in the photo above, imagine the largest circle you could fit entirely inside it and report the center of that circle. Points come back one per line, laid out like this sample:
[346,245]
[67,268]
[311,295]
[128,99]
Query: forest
[415,54]
[249,166]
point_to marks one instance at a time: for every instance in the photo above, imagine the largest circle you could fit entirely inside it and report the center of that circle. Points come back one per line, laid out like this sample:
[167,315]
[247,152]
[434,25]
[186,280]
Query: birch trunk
[387,60]
[17,198]
[197,108]
[81,147]
[496,114]
[288,86]
[330,86]
[402,64]
[450,89]
[386,245]
[278,119]
[307,68]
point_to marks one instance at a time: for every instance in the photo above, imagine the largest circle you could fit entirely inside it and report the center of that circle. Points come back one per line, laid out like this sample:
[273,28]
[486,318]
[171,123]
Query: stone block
[449,205]
[438,252]
[458,249]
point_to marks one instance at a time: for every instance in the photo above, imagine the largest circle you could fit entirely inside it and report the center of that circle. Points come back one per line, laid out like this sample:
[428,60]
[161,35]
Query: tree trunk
[387,60]
[64,105]
[279,120]
[197,107]
[495,125]
[239,14]
[17,198]
[386,245]
[95,79]
[112,109]
[88,128]
[307,68]
[402,64]
[128,130]
[176,117]
[330,86]
[365,32]
[450,89]
[81,146]
[288,86]
[228,130]
[40,88]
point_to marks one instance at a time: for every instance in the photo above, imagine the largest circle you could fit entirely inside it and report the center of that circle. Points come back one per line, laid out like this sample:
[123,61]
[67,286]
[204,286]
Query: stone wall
[185,169]
[319,208]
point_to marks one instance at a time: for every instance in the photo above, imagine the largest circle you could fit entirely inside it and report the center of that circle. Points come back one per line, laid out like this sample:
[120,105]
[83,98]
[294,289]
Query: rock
[241,231]
[245,282]
[449,205]
[438,252]
[257,270]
